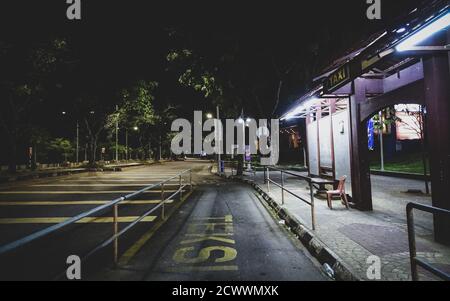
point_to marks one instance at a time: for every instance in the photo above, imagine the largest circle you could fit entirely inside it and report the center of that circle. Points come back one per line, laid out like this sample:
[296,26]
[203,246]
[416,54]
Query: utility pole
[78,141]
[85,152]
[381,140]
[218,141]
[117,134]
[160,147]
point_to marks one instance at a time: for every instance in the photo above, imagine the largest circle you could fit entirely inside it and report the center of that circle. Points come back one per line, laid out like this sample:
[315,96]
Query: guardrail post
[162,200]
[268,180]
[282,188]
[116,229]
[412,242]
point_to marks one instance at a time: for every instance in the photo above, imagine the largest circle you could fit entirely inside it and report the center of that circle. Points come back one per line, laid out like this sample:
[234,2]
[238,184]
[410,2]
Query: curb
[342,272]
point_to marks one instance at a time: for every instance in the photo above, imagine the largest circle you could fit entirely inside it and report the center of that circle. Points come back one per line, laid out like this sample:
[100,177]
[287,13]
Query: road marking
[194,227]
[226,218]
[215,268]
[55,203]
[132,251]
[208,233]
[86,220]
[118,180]
[158,176]
[80,192]
[207,237]
[98,185]
[194,256]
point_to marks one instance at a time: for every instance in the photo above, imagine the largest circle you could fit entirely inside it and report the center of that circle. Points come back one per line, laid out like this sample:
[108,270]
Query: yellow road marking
[54,203]
[99,185]
[226,218]
[204,254]
[208,237]
[208,233]
[117,180]
[80,192]
[215,268]
[56,220]
[134,249]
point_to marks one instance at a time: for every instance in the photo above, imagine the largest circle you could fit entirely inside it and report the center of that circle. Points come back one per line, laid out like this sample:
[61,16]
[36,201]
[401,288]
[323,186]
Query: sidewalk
[352,235]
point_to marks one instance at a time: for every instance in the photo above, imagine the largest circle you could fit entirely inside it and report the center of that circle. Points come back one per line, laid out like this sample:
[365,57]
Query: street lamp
[209,116]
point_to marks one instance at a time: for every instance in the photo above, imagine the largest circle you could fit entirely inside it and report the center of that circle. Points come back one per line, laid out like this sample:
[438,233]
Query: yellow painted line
[98,185]
[123,177]
[208,233]
[79,192]
[208,237]
[55,203]
[214,268]
[86,220]
[134,249]
[226,218]
[119,180]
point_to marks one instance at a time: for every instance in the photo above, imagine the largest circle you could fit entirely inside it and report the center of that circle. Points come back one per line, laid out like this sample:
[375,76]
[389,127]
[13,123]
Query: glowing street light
[209,116]
[424,33]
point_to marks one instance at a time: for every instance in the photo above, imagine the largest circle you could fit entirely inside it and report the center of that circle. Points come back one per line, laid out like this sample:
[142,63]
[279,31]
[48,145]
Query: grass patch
[411,163]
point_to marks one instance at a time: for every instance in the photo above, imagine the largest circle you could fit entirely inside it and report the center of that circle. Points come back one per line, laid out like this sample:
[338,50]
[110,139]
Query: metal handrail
[412,241]
[283,189]
[233,166]
[49,230]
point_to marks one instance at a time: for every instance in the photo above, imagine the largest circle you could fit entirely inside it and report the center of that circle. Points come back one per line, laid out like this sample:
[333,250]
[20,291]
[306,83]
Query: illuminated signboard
[338,78]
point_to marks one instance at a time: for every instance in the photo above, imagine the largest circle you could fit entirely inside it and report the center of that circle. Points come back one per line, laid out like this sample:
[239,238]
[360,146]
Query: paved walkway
[354,235]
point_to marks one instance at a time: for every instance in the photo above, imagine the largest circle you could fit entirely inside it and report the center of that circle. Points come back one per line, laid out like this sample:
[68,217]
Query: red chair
[340,191]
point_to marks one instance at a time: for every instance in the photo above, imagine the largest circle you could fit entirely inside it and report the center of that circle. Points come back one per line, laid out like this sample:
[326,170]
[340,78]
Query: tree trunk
[12,160]
[277,102]
[93,151]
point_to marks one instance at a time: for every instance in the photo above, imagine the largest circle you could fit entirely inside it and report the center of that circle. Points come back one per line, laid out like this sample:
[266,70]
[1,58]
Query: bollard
[268,180]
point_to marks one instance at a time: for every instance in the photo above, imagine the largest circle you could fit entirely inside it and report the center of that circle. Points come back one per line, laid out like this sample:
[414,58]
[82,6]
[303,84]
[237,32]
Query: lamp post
[117,134]
[126,144]
[78,142]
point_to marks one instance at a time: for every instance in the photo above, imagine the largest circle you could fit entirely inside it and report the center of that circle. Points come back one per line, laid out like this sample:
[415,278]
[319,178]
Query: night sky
[118,42]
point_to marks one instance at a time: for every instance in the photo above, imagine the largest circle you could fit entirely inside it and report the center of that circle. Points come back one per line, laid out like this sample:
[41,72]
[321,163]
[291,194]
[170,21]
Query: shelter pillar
[437,99]
[361,187]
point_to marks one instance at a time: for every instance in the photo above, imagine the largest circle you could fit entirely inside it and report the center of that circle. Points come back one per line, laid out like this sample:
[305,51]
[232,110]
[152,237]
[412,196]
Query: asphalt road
[29,206]
[222,232]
